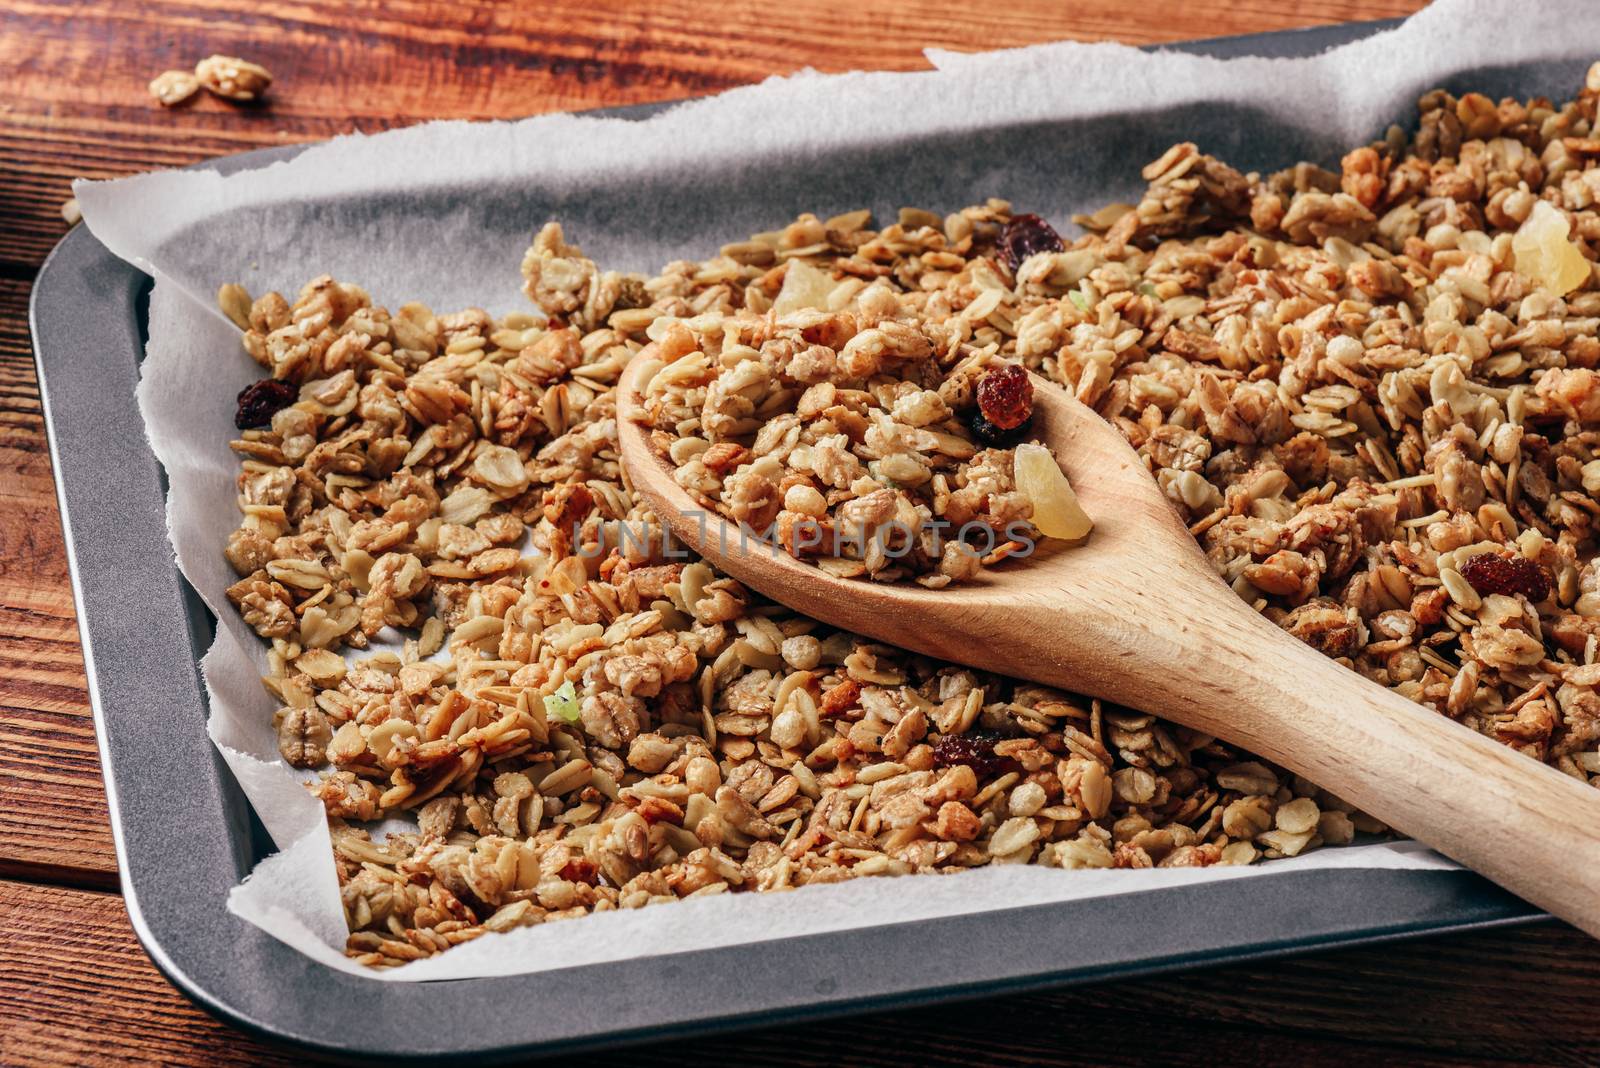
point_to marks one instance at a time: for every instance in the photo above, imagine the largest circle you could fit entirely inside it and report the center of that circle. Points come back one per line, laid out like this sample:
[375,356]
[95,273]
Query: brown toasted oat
[229,77]
[174,87]
[1351,383]
[234,300]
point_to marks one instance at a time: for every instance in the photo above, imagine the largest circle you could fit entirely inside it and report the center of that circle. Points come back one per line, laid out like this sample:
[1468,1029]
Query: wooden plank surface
[76,989]
[52,806]
[74,986]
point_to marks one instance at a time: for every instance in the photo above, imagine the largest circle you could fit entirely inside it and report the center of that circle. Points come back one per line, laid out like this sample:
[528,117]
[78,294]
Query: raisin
[1005,396]
[975,749]
[992,435]
[1493,573]
[260,401]
[1025,236]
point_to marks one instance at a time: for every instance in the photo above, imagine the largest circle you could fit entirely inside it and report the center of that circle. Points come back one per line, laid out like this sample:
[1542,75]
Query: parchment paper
[442,213]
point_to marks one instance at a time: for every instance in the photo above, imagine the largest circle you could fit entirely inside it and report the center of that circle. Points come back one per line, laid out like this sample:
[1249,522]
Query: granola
[854,424]
[1373,393]
[174,87]
[229,77]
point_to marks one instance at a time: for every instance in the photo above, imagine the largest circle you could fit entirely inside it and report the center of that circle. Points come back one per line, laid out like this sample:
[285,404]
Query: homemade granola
[230,77]
[1373,392]
[851,423]
[174,87]
[227,77]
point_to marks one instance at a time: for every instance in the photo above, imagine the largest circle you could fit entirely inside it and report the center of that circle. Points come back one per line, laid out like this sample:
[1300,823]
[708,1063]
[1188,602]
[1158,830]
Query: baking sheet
[184,831]
[442,213]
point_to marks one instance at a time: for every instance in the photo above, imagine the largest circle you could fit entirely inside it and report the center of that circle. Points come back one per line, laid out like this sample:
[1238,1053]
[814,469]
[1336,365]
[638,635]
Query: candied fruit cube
[1056,511]
[1545,255]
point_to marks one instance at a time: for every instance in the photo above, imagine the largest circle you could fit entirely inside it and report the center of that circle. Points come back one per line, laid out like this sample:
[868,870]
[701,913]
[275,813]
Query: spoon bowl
[1137,615]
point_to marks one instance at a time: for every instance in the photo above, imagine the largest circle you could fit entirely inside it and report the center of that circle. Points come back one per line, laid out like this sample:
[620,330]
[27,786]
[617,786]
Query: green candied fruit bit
[563,704]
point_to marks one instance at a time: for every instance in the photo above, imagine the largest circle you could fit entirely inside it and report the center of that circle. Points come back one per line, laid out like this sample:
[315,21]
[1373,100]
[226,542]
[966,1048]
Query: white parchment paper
[442,212]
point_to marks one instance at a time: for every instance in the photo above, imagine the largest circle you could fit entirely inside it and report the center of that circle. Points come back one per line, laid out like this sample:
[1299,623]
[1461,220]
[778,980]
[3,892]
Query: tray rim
[79,251]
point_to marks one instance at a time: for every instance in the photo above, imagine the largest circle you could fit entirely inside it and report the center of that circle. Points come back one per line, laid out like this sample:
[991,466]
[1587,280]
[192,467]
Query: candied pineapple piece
[1544,254]
[1056,511]
[803,287]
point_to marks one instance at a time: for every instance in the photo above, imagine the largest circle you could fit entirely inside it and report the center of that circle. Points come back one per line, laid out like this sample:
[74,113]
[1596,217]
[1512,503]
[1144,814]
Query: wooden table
[75,988]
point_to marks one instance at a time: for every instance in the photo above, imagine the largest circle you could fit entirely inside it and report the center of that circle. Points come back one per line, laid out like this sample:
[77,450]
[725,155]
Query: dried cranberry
[1025,236]
[975,749]
[580,870]
[1493,573]
[1005,396]
[260,401]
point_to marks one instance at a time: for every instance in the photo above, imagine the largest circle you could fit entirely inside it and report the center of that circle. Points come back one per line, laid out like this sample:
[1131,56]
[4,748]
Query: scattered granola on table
[174,87]
[1374,393]
[232,78]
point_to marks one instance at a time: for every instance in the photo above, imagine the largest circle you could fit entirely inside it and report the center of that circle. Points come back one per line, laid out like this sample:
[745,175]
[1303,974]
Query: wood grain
[52,805]
[76,989]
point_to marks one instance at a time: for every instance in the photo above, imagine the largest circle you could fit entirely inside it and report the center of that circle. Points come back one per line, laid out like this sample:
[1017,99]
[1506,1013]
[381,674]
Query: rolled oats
[1378,415]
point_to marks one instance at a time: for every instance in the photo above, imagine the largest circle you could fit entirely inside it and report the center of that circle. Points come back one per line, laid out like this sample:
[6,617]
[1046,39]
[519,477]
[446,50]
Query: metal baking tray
[185,833]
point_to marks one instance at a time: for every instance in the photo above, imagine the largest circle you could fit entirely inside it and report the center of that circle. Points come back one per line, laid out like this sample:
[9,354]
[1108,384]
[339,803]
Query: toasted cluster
[1372,392]
[227,77]
[839,429]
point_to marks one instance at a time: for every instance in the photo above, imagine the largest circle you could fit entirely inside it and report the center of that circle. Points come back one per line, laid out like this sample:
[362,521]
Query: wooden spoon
[1138,616]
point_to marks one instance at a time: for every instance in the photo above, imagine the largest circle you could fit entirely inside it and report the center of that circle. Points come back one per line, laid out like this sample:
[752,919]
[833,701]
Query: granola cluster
[1374,393]
[847,421]
[227,77]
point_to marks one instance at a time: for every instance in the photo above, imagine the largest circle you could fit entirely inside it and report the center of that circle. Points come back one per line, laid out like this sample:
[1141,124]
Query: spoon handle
[1514,820]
